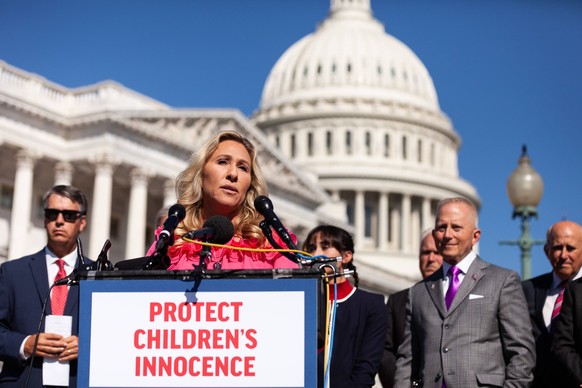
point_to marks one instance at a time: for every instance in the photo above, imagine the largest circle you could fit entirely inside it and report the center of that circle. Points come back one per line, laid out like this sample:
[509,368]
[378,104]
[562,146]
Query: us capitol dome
[358,110]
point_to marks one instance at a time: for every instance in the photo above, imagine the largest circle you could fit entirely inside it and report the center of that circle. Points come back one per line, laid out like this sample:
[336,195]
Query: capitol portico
[362,144]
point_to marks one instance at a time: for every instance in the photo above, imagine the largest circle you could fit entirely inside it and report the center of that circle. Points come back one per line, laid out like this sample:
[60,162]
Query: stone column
[170,192]
[415,225]
[427,219]
[135,243]
[395,217]
[359,218]
[383,222]
[22,204]
[101,213]
[406,215]
[63,173]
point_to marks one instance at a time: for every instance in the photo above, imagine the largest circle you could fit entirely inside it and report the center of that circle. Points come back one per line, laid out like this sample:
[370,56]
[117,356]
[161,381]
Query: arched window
[404,148]
[348,142]
[329,142]
[293,146]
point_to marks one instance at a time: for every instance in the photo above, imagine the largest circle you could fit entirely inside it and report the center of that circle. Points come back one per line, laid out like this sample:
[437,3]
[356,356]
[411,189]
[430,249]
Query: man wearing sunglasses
[24,286]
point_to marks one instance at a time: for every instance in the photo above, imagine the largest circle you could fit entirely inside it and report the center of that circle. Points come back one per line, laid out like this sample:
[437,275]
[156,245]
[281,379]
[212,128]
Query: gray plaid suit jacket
[484,340]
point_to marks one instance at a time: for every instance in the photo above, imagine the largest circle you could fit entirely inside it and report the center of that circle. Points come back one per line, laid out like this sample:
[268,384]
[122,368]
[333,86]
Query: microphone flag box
[227,333]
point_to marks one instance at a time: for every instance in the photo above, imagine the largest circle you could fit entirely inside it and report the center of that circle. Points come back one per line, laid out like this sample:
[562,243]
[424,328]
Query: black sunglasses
[68,215]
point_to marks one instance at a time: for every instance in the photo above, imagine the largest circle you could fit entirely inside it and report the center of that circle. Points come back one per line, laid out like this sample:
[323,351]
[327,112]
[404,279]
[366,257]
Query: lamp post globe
[524,189]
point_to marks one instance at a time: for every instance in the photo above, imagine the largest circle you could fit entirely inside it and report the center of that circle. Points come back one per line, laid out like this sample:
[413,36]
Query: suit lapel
[40,275]
[472,277]
[434,286]
[540,299]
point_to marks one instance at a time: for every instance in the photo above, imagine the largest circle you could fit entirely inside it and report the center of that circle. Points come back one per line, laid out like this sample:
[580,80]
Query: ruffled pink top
[186,255]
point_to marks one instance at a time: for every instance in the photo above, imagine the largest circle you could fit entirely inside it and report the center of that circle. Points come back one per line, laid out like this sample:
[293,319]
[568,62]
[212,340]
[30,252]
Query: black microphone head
[223,229]
[178,211]
[263,205]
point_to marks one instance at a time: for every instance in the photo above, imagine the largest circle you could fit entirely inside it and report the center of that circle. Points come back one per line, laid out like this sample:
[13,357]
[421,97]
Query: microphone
[264,206]
[176,214]
[103,262]
[216,229]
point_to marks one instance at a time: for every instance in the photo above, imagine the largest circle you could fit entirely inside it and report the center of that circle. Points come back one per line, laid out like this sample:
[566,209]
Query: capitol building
[349,132]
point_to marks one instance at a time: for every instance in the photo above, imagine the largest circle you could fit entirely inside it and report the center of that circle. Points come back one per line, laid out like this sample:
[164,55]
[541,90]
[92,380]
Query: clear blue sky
[507,72]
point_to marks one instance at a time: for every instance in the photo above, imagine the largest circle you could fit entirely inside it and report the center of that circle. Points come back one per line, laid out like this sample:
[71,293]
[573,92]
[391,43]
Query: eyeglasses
[68,215]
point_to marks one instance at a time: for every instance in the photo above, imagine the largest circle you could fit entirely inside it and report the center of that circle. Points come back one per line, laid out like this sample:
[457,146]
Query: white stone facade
[362,144]
[124,151]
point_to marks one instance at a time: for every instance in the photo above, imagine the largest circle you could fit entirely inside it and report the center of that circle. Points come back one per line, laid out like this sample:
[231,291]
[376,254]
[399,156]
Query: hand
[71,351]
[49,345]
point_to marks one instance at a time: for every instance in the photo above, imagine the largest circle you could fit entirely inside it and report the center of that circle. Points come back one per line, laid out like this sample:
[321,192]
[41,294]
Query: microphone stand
[269,235]
[38,331]
[159,259]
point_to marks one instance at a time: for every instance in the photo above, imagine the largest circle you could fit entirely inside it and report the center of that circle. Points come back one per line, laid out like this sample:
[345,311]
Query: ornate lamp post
[524,189]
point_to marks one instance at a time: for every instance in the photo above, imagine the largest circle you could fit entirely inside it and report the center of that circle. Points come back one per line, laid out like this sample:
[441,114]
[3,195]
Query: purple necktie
[454,284]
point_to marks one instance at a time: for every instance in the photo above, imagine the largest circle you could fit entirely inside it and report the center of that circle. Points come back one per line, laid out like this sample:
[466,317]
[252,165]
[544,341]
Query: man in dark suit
[467,324]
[24,286]
[567,342]
[429,261]
[564,251]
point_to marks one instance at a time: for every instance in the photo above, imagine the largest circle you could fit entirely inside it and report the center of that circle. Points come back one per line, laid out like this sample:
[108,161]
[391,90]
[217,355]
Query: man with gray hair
[467,324]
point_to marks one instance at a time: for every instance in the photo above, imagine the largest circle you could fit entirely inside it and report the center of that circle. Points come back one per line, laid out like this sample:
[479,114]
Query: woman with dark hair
[360,319]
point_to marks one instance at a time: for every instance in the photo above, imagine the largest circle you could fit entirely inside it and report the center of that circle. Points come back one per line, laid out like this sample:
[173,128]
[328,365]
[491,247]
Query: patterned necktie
[559,300]
[59,293]
[454,284]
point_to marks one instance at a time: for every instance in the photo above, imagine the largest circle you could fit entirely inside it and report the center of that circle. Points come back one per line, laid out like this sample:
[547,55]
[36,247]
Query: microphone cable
[329,324]
[38,331]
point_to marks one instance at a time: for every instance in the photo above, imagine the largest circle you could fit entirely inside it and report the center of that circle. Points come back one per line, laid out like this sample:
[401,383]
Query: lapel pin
[474,276]
[432,286]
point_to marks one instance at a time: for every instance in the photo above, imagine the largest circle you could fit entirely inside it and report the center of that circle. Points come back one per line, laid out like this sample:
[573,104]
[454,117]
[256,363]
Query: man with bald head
[467,324]
[429,261]
[544,294]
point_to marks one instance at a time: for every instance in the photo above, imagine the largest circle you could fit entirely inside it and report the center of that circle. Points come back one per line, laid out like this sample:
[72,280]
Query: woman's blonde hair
[190,194]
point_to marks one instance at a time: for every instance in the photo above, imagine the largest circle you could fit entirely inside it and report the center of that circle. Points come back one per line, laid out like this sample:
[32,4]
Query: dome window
[329,142]
[387,145]
[368,143]
[419,149]
[348,143]
[333,68]
[393,72]
[305,71]
[404,150]
[318,69]
[349,68]
[293,146]
[310,144]
[379,68]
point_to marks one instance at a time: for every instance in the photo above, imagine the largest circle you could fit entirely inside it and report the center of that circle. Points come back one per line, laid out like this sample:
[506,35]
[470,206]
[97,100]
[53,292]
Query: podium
[235,328]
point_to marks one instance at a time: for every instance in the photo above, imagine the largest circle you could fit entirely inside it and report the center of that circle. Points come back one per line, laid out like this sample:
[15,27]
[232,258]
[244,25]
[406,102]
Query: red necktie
[59,293]
[559,300]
